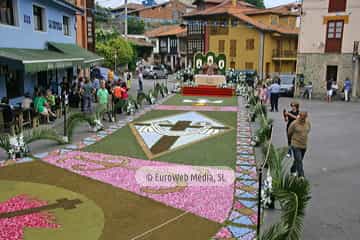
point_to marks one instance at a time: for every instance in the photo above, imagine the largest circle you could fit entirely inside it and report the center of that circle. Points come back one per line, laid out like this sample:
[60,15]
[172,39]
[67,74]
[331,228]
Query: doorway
[267,68]
[331,73]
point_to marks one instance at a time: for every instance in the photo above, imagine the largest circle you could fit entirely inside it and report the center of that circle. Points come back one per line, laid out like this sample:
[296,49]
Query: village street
[332,166]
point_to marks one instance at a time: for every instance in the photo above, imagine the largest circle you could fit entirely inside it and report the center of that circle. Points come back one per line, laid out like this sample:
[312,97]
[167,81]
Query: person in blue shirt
[347,89]
[274,90]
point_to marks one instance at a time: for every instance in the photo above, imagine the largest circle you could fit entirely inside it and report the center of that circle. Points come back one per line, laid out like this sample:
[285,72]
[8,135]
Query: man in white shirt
[274,94]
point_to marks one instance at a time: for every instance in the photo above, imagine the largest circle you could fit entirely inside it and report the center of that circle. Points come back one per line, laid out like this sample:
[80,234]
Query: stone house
[169,45]
[327,41]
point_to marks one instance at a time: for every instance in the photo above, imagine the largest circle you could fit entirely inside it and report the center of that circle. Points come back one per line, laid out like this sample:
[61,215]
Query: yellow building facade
[279,50]
[264,40]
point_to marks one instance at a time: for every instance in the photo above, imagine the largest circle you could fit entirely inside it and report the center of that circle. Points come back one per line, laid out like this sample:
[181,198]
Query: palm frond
[253,100]
[158,90]
[42,133]
[294,195]
[276,164]
[151,94]
[141,97]
[75,119]
[121,104]
[155,92]
[165,89]
[275,232]
[4,142]
[133,101]
[265,130]
[260,109]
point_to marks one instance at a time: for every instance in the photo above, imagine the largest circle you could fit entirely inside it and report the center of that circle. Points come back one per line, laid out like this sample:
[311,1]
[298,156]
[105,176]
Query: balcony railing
[284,53]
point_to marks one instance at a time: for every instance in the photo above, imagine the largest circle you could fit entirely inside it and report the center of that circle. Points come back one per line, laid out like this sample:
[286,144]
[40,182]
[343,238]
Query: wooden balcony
[286,55]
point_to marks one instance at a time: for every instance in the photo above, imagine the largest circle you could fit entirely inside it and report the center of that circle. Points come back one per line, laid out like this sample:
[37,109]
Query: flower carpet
[120,171]
[85,166]
[13,228]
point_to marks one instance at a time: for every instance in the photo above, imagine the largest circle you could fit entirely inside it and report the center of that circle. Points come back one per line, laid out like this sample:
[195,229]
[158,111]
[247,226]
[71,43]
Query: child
[263,94]
[51,100]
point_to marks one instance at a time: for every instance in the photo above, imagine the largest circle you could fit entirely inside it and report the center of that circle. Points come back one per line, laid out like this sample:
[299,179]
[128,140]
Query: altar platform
[207,90]
[208,85]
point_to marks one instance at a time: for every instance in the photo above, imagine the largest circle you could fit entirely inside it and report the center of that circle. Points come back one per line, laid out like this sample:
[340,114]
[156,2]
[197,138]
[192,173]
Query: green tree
[257,3]
[136,26]
[102,14]
[103,36]
[118,46]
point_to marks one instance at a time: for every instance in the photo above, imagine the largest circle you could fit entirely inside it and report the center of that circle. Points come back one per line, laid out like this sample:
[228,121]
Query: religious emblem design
[23,211]
[162,135]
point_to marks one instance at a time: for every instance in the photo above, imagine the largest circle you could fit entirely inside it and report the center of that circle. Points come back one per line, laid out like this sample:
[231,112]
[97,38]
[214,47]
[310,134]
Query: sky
[114,3]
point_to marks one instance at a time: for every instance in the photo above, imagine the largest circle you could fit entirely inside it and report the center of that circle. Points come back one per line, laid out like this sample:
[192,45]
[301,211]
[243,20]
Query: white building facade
[328,32]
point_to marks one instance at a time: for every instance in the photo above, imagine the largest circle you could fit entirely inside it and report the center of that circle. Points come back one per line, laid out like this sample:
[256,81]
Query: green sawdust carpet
[85,211]
[216,151]
[179,100]
[104,211]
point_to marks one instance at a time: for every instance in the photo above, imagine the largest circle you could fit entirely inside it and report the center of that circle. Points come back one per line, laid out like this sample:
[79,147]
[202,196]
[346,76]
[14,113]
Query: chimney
[234,2]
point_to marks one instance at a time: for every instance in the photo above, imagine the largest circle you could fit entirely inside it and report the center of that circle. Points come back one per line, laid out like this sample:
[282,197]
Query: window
[337,5]
[221,46]
[219,28]
[7,12]
[250,44]
[249,66]
[334,36]
[292,22]
[175,14]
[164,45]
[232,65]
[195,28]
[90,29]
[232,48]
[173,45]
[274,20]
[39,18]
[195,45]
[14,84]
[66,24]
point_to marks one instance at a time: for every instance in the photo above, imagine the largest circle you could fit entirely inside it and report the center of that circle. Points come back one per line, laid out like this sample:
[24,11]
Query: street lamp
[115,56]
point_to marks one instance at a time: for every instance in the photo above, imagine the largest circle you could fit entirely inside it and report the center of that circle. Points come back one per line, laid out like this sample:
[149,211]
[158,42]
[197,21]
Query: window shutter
[334,35]
[232,48]
[249,66]
[337,5]
[221,46]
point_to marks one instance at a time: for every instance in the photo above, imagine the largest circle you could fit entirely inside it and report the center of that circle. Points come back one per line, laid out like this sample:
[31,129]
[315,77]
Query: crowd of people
[297,123]
[85,92]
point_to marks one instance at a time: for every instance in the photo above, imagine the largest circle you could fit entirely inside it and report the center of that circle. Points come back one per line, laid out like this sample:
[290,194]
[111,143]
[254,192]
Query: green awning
[57,56]
[76,51]
[35,60]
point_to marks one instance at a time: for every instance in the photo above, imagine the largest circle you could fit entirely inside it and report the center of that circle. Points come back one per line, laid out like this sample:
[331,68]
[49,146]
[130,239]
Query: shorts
[45,111]
[329,93]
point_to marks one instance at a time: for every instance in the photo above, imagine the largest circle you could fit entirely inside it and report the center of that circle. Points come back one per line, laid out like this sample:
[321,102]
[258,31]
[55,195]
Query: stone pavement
[332,164]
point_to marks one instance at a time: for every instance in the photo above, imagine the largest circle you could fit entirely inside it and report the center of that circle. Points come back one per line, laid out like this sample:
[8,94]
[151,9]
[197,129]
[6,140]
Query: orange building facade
[85,25]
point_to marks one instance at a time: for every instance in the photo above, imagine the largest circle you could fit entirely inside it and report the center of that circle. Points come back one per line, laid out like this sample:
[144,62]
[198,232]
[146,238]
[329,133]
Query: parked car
[155,72]
[102,73]
[287,84]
